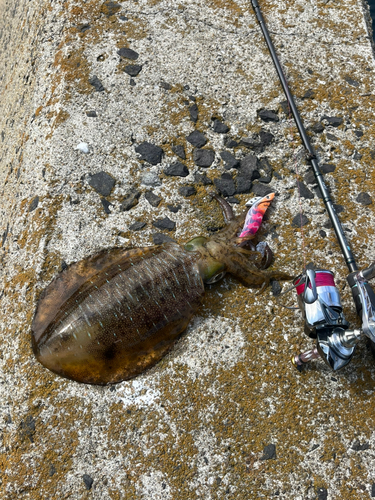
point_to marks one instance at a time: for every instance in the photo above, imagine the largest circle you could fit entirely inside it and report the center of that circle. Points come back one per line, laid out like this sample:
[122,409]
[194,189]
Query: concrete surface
[224,415]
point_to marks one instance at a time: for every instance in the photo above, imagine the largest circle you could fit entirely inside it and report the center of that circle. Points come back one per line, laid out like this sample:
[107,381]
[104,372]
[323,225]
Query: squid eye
[195,243]
[216,278]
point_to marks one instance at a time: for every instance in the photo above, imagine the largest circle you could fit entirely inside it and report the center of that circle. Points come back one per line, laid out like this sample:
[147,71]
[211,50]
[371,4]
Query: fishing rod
[318,297]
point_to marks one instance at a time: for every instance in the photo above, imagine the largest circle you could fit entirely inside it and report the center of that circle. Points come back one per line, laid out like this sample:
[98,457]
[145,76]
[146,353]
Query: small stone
[203,157]
[360,447]
[165,85]
[364,198]
[373,490]
[106,204]
[338,208]
[233,199]
[187,191]
[88,480]
[243,184]
[331,137]
[193,111]
[91,114]
[309,94]
[102,182]
[230,160]
[128,53]
[299,220]
[165,223]
[149,152]
[322,494]
[269,452]
[177,169]
[328,224]
[252,143]
[304,191]
[133,69]
[219,127]
[352,82]
[358,133]
[52,470]
[130,200]
[123,18]
[136,226]
[285,107]
[267,115]
[83,27]
[264,165]
[225,185]
[316,127]
[96,83]
[27,428]
[250,164]
[334,121]
[266,137]
[174,209]
[276,288]
[152,198]
[83,147]
[179,151]
[261,189]
[310,177]
[151,179]
[197,139]
[230,143]
[326,168]
[160,238]
[357,156]
[202,179]
[33,205]
[322,233]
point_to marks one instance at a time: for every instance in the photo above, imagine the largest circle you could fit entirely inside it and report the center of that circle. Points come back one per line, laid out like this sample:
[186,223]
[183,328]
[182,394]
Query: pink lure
[255,215]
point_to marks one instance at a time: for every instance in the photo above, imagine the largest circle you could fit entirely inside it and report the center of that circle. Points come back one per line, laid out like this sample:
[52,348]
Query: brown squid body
[111,316]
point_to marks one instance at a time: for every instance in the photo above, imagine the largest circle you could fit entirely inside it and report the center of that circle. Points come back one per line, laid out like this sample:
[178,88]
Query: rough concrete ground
[224,415]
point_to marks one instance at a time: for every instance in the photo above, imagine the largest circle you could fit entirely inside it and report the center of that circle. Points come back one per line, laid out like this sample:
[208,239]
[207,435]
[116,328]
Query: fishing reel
[320,304]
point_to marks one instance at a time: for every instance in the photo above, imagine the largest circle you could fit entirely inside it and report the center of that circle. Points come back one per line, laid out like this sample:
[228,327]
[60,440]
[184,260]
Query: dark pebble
[322,233]
[364,198]
[250,164]
[102,182]
[34,203]
[220,127]
[132,82]
[331,137]
[322,494]
[96,83]
[309,94]
[179,151]
[334,121]
[252,143]
[91,114]
[165,223]
[133,69]
[27,428]
[373,490]
[88,480]
[328,224]
[296,221]
[269,452]
[358,133]
[52,470]
[5,234]
[360,447]
[202,179]
[197,139]
[316,127]
[110,8]
[165,85]
[338,208]
[84,27]
[149,152]
[261,189]
[326,168]
[267,115]
[173,208]
[234,200]
[264,166]
[357,156]
[128,53]
[152,198]
[266,137]
[352,82]
[285,107]
[276,288]
[304,191]
[230,143]
[225,185]
[130,200]
[106,204]
[203,157]
[243,184]
[310,177]
[193,111]
[123,18]
[229,160]
[178,169]
[187,191]
[136,226]
[160,238]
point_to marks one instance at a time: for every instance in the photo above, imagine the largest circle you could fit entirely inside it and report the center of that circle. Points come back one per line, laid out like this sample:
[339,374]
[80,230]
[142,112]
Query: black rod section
[311,155]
